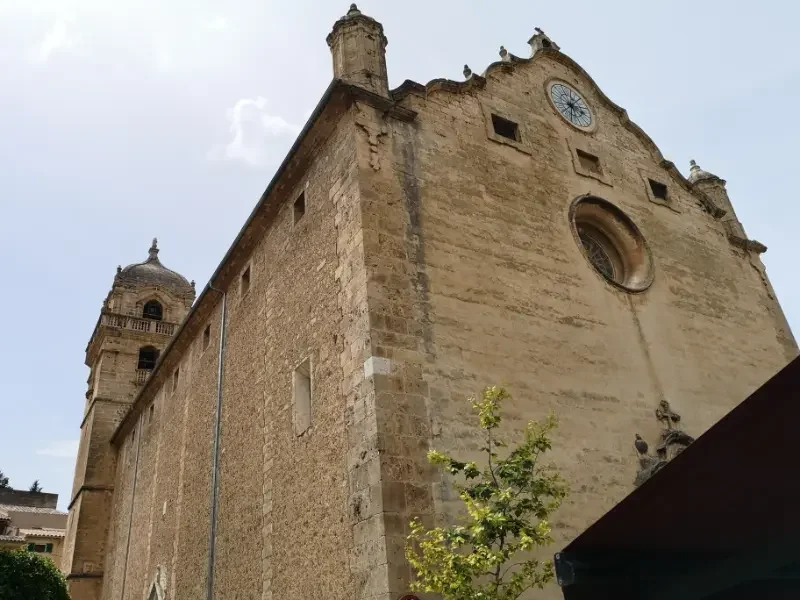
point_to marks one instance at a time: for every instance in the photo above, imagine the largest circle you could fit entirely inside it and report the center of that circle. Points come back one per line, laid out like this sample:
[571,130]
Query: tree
[4,481]
[35,487]
[508,503]
[28,576]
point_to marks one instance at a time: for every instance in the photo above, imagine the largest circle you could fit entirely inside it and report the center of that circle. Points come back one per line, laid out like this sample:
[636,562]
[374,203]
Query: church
[268,437]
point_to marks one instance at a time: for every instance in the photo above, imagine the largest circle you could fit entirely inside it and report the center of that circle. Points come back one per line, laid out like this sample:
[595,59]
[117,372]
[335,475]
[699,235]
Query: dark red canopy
[720,521]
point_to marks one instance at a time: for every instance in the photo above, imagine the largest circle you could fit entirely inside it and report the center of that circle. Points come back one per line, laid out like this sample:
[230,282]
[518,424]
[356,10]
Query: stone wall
[433,259]
[282,498]
[475,278]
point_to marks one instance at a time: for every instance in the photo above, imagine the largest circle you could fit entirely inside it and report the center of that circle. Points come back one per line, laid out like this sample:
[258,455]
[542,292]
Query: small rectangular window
[39,547]
[246,281]
[589,162]
[150,413]
[206,336]
[659,190]
[505,128]
[301,389]
[175,376]
[300,207]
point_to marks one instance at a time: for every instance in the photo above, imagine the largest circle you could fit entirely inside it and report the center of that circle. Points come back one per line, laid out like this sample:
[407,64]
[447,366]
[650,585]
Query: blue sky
[125,120]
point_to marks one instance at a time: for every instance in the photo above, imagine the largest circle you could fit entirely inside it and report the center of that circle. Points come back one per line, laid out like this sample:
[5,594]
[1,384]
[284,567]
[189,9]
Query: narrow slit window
[206,336]
[150,413]
[589,162]
[505,128]
[659,190]
[301,389]
[246,281]
[300,207]
[175,376]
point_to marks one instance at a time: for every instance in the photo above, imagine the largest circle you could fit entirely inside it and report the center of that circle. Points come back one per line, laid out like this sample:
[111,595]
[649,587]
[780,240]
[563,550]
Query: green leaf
[507,504]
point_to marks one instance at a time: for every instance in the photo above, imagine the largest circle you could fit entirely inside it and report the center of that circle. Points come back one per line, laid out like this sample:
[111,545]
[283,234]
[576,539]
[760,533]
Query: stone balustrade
[142,375]
[137,323]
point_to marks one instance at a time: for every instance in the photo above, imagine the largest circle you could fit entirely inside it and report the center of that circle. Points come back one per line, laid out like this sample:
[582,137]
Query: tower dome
[152,273]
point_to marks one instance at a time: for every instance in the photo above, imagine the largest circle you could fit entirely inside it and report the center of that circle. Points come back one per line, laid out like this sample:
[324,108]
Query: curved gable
[512,63]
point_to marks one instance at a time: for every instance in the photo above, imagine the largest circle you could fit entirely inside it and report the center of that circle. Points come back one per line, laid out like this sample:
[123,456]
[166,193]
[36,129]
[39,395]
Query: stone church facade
[269,438]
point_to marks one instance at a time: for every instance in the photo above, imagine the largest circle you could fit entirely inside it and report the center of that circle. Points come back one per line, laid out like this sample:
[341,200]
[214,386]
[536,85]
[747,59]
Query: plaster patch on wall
[376,365]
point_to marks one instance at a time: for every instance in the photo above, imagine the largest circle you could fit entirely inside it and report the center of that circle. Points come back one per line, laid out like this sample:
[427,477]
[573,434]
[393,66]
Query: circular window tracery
[597,251]
[612,244]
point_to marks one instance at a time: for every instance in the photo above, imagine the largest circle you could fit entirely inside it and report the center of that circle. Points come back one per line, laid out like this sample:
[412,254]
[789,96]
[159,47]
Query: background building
[30,520]
[415,245]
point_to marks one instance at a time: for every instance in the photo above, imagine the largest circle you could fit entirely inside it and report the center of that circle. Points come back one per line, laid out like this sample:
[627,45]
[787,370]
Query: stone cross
[669,418]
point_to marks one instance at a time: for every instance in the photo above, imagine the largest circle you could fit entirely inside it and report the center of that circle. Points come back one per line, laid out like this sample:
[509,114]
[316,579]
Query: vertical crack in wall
[651,367]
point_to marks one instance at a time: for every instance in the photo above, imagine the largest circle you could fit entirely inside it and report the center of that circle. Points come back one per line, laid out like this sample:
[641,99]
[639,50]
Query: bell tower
[144,308]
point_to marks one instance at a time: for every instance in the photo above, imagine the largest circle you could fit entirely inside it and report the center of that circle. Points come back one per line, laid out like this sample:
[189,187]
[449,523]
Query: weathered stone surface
[433,259]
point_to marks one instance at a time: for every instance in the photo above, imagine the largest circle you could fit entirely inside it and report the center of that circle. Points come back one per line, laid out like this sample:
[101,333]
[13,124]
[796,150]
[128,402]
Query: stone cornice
[747,244]
[97,399]
[512,62]
[89,488]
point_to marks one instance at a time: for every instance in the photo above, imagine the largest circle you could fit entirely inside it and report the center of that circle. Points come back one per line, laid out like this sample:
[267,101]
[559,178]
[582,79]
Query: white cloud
[59,38]
[258,135]
[60,449]
[218,23]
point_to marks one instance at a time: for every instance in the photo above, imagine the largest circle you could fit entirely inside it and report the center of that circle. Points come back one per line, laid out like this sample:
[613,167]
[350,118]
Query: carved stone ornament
[673,441]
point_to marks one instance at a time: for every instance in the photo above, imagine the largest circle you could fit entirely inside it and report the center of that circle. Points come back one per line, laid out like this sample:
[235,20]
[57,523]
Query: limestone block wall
[283,499]
[85,547]
[96,464]
[475,278]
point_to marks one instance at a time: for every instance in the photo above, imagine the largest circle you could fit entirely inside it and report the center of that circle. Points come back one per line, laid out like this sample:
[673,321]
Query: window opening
[505,128]
[246,281]
[596,246]
[300,207]
[148,356]
[301,388]
[589,162]
[659,189]
[153,310]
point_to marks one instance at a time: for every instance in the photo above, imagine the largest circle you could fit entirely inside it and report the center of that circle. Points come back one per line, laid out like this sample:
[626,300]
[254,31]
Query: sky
[122,121]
